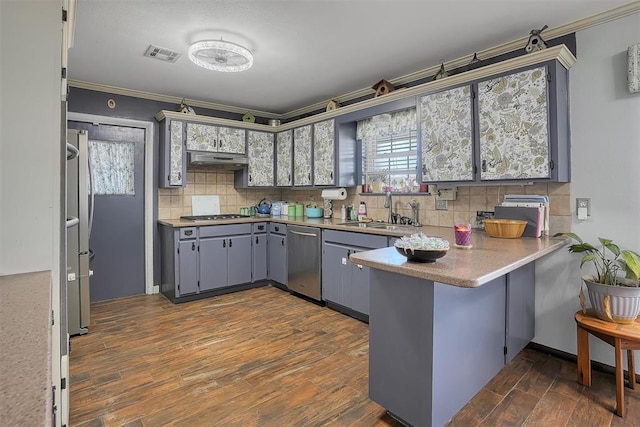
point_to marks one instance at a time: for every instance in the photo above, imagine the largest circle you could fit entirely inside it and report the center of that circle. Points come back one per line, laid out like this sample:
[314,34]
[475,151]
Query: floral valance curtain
[385,125]
[112,166]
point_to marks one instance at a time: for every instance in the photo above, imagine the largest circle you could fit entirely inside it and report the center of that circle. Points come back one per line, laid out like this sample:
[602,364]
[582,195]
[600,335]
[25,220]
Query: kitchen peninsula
[439,332]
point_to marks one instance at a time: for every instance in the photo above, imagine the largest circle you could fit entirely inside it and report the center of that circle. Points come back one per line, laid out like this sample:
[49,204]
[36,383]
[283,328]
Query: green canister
[292,210]
[299,210]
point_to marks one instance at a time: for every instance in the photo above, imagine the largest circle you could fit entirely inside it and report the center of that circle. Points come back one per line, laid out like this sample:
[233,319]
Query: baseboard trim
[598,366]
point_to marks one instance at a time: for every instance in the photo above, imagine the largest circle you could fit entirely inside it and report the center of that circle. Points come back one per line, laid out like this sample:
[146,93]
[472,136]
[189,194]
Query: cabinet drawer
[259,227]
[224,230]
[275,228]
[187,233]
[355,239]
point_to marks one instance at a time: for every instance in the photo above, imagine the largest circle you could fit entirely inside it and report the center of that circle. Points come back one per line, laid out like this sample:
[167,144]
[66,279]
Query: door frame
[148,183]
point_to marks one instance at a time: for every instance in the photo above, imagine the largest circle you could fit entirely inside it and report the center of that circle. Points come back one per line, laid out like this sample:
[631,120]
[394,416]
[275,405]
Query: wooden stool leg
[619,379]
[631,365]
[584,360]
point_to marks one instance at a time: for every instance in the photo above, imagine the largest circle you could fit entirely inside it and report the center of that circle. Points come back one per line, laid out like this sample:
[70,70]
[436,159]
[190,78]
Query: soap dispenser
[362,211]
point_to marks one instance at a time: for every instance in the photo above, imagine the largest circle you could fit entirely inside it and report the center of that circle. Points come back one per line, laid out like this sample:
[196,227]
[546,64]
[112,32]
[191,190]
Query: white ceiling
[305,51]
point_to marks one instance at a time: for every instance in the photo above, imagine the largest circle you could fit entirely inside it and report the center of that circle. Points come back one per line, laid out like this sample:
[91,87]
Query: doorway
[121,237]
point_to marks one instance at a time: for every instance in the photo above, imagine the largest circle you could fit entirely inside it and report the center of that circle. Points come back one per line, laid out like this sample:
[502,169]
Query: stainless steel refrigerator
[79,219]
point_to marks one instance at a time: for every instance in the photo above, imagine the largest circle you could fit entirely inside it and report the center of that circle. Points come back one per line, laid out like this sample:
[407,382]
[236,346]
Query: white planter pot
[624,302]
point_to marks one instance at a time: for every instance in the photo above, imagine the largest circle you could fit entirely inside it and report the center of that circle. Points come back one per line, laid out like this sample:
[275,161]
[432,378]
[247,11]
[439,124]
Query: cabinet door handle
[179,176]
[309,176]
[331,175]
[249,177]
[289,178]
[188,232]
[424,168]
[220,143]
[277,228]
[193,246]
[257,241]
[230,243]
[484,166]
[283,241]
[224,243]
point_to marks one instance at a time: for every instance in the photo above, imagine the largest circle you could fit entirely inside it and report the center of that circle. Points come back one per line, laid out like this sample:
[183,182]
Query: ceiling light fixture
[219,55]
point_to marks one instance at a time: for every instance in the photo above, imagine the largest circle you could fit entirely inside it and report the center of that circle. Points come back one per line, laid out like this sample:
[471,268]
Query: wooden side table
[620,336]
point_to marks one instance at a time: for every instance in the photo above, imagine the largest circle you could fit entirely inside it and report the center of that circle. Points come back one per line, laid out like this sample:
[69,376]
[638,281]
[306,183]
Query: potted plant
[614,291]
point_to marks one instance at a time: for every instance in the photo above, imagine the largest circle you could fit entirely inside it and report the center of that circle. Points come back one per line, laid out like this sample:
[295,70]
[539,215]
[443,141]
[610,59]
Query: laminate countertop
[25,349]
[488,258]
[330,223]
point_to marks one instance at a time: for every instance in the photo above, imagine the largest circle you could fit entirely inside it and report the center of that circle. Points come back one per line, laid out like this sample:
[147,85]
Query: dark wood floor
[266,358]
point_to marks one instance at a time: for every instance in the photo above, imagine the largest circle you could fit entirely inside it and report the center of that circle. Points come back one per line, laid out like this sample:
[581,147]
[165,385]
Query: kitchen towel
[205,205]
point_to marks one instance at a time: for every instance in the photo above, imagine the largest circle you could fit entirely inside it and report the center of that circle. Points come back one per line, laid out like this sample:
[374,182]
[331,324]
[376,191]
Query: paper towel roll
[334,193]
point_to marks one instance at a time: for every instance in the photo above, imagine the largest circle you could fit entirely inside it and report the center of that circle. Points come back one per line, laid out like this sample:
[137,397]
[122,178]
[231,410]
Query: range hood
[217,160]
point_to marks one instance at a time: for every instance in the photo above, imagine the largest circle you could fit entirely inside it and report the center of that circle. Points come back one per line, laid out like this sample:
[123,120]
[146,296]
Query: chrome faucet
[414,210]
[389,204]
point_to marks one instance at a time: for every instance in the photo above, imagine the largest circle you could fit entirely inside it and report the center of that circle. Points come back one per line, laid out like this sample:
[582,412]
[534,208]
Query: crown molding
[551,33]
[560,53]
[167,98]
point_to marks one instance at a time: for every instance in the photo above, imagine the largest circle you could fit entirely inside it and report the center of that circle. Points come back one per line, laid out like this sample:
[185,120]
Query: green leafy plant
[608,260]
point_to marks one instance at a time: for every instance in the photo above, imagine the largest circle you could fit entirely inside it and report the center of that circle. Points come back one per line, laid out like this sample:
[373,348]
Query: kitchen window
[390,152]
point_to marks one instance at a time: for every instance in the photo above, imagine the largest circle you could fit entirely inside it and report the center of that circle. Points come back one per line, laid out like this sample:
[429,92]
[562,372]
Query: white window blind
[390,151]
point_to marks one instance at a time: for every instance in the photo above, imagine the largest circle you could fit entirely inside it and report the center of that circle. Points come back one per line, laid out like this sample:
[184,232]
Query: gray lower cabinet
[223,258]
[213,253]
[277,259]
[196,260]
[345,286]
[259,251]
[187,264]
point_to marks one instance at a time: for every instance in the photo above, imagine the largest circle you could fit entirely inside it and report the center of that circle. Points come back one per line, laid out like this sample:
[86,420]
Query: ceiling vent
[162,54]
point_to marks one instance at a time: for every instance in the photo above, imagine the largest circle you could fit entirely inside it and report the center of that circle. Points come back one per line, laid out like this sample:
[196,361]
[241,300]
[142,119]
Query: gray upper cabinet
[284,151]
[302,156]
[447,135]
[231,140]
[324,143]
[261,159]
[205,137]
[510,127]
[173,164]
[514,123]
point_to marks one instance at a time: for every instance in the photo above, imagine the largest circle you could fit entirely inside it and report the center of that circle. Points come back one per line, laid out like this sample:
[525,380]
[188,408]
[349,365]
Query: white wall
[605,161]
[30,42]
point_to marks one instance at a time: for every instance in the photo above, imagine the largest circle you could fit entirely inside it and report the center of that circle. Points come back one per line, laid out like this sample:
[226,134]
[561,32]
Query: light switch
[344,261]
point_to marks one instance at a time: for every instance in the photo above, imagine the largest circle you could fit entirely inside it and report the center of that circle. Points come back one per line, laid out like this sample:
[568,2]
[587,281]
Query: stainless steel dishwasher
[304,260]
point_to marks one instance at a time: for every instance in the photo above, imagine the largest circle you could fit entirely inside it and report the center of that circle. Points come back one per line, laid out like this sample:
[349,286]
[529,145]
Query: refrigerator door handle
[72,152]
[91,191]
[72,221]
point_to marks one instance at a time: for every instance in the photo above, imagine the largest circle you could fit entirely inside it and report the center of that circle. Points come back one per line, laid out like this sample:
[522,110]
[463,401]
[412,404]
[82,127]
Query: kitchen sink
[379,225]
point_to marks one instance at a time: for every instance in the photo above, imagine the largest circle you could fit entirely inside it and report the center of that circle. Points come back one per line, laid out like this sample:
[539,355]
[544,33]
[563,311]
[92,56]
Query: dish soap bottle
[343,213]
[362,211]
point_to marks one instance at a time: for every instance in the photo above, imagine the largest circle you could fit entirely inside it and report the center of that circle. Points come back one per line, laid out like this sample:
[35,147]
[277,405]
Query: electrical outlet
[584,203]
[441,205]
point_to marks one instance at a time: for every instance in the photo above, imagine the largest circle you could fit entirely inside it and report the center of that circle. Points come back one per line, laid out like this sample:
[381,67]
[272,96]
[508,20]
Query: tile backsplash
[174,202]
